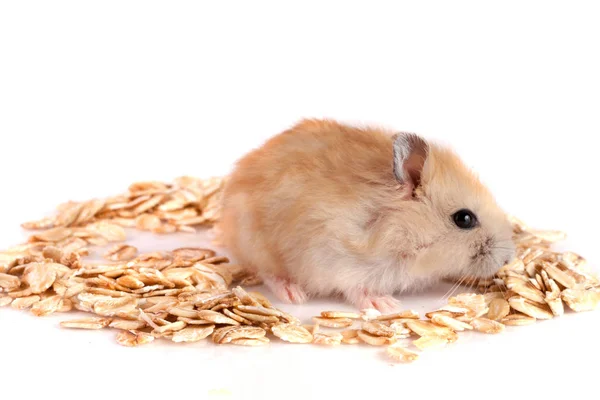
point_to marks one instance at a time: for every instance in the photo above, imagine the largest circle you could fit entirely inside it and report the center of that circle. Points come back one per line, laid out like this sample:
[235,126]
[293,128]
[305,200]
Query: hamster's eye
[465,219]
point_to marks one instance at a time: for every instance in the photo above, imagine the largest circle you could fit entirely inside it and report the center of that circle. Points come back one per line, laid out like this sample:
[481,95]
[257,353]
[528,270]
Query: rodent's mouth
[490,266]
[490,257]
[480,268]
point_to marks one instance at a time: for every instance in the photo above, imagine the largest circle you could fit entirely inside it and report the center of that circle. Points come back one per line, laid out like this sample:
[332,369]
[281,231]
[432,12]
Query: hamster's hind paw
[286,290]
[384,304]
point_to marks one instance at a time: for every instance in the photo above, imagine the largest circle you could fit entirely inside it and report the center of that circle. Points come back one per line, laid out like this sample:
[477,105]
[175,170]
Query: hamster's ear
[410,153]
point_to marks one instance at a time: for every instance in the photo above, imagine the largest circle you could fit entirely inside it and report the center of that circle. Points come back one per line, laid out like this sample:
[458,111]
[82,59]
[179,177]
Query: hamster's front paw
[383,304]
[362,299]
[286,290]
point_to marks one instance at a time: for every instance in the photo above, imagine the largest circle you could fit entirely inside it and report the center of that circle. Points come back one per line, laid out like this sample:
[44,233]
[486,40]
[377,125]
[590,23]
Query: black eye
[464,219]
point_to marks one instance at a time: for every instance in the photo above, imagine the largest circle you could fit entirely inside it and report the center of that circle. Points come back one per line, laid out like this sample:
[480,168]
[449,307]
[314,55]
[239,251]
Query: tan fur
[319,205]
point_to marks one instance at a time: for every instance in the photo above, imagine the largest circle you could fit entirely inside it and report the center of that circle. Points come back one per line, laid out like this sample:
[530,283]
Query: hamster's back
[296,182]
[319,149]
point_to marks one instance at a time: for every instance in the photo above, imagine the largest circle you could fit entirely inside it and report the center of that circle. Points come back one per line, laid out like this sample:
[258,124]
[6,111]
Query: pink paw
[384,304]
[286,291]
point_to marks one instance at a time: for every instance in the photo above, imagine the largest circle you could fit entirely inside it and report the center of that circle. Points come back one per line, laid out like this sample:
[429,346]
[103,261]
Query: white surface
[96,96]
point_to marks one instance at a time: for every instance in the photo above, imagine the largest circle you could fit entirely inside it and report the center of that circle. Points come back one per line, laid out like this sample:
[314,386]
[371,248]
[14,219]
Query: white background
[96,95]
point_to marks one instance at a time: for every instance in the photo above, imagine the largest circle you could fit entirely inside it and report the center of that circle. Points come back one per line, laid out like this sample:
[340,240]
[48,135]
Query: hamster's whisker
[496,261]
[454,287]
[486,290]
[502,291]
[447,294]
[443,297]
[471,285]
[500,248]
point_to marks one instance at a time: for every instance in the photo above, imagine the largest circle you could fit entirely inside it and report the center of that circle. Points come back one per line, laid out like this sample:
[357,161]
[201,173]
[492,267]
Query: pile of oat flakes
[192,294]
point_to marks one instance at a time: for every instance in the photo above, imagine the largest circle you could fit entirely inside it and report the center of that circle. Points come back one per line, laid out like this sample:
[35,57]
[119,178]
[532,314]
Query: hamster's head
[470,234]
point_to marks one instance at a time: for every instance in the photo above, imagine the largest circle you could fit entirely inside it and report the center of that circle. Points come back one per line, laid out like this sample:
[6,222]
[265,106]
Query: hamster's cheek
[434,262]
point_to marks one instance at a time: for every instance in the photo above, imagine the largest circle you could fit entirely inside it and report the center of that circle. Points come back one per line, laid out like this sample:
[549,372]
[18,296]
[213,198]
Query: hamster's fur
[327,208]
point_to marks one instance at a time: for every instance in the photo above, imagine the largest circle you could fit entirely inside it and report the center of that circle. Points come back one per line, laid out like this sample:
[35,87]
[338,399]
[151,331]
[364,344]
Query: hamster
[326,208]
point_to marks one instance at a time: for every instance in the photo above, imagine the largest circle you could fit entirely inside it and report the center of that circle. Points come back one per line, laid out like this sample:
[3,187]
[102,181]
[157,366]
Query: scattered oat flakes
[333,322]
[121,252]
[20,293]
[9,282]
[216,317]
[527,307]
[581,300]
[498,309]
[259,310]
[369,314]
[39,276]
[130,282]
[52,235]
[193,334]
[486,325]
[401,354]
[377,328]
[560,276]
[244,297]
[451,323]
[430,342]
[410,314]
[372,339]
[134,338]
[187,293]
[191,321]
[236,317]
[251,280]
[328,339]
[125,324]
[292,333]
[170,327]
[23,303]
[350,336]
[311,328]
[241,332]
[256,317]
[220,333]
[5,300]
[556,306]
[113,306]
[250,342]
[148,222]
[475,302]
[400,330]
[339,314]
[518,319]
[528,291]
[425,328]
[47,306]
[193,253]
[108,231]
[86,323]
[549,236]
